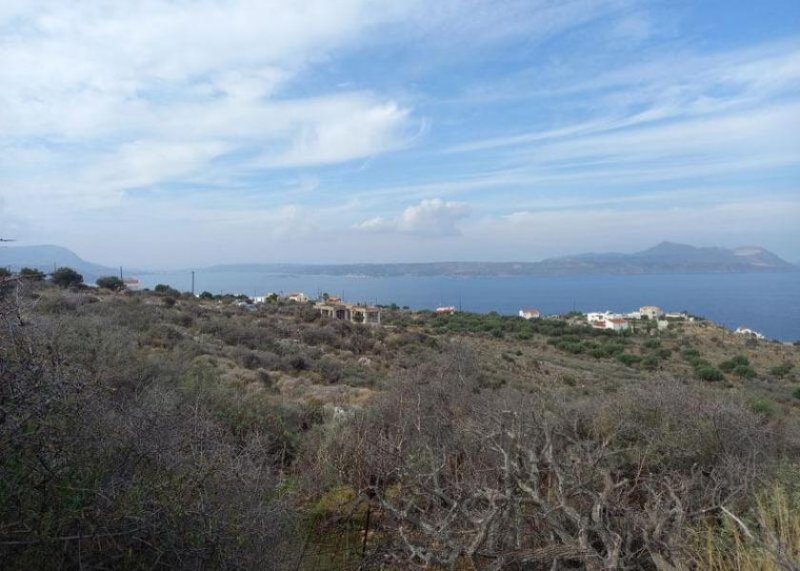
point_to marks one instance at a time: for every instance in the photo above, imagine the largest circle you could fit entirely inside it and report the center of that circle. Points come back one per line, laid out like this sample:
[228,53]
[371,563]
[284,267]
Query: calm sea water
[766,302]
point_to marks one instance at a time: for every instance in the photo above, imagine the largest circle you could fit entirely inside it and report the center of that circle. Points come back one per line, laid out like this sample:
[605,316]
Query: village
[334,307]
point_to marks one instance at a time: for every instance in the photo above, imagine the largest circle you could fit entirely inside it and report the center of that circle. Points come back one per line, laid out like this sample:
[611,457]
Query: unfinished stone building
[356,313]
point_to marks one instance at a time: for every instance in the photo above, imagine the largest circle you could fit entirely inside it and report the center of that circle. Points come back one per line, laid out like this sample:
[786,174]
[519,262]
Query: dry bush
[504,479]
[109,459]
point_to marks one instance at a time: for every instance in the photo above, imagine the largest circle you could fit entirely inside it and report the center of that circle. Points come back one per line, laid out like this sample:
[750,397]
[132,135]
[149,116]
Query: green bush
[782,370]
[690,353]
[110,282]
[744,371]
[650,362]
[733,363]
[628,359]
[764,406]
[66,277]
[706,372]
[31,274]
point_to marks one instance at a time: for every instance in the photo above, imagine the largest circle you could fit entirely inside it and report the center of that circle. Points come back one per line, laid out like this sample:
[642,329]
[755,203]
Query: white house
[604,316]
[299,297]
[445,310]
[612,323]
[617,324]
[651,311]
[529,313]
[748,332]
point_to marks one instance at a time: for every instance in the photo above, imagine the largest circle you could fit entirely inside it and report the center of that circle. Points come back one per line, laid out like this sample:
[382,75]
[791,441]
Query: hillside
[46,257]
[158,430]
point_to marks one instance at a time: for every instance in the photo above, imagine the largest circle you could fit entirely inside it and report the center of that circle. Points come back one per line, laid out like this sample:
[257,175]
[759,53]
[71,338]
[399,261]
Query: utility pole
[120,273]
[192,283]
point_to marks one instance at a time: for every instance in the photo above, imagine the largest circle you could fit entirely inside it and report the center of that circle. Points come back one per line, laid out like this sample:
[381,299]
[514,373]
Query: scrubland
[139,430]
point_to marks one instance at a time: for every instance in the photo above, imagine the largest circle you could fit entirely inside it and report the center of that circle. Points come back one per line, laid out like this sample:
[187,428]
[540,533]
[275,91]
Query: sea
[766,302]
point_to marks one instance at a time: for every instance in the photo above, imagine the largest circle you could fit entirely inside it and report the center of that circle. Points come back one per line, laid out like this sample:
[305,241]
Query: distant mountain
[46,257]
[666,257]
[669,257]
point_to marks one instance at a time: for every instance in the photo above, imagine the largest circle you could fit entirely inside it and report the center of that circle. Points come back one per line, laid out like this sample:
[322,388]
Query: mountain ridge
[663,258]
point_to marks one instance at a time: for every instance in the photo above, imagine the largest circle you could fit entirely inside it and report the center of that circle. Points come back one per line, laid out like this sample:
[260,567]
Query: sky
[176,133]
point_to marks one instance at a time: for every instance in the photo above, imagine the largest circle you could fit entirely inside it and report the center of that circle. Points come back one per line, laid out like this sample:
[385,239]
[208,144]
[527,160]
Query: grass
[768,539]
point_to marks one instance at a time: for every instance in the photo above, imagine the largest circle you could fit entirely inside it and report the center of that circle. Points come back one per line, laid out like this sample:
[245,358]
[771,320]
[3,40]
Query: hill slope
[47,256]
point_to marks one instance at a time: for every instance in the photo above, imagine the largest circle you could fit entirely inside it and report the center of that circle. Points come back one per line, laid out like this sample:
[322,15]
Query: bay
[765,302]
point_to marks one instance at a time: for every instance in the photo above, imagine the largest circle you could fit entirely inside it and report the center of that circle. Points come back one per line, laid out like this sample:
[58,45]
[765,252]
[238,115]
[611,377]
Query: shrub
[744,371]
[707,372]
[782,370]
[110,282]
[690,353]
[628,359]
[169,301]
[31,274]
[650,362]
[764,406]
[796,393]
[733,363]
[164,289]
[66,277]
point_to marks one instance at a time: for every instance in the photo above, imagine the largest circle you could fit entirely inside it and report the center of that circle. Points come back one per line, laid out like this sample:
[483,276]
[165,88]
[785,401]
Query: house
[651,312]
[612,323]
[679,316]
[445,310]
[742,330]
[617,324]
[356,313]
[132,283]
[594,316]
[298,297]
[529,313]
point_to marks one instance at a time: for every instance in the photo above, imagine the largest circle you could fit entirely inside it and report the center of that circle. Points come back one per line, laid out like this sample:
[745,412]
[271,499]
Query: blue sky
[179,133]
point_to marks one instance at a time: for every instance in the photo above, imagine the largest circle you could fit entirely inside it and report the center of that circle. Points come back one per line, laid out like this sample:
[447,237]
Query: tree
[110,282]
[66,277]
[4,273]
[206,295]
[31,274]
[164,289]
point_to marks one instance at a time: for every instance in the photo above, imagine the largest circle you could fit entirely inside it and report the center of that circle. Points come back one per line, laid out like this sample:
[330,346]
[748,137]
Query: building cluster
[622,322]
[297,297]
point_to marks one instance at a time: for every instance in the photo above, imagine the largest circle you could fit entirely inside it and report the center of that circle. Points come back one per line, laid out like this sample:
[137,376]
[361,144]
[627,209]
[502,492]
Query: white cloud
[120,95]
[431,217]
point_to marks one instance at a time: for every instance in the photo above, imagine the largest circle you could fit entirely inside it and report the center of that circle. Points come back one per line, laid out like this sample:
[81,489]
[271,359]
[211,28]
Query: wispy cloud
[483,124]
